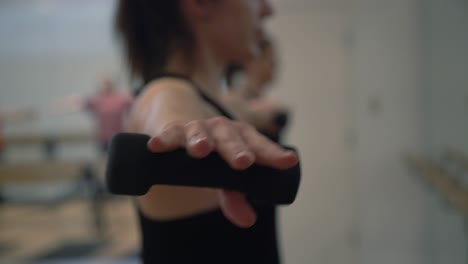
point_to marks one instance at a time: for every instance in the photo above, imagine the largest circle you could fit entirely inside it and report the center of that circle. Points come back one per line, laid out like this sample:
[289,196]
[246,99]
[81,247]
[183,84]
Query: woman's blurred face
[234,27]
[263,67]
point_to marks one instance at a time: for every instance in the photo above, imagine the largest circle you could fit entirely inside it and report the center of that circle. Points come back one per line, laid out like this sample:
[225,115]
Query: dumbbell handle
[132,169]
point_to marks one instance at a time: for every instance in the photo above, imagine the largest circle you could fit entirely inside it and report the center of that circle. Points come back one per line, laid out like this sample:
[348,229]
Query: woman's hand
[238,143]
[264,114]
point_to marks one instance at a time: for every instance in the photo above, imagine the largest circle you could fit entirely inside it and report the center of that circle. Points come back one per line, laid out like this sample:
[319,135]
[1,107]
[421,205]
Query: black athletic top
[209,237]
[281,122]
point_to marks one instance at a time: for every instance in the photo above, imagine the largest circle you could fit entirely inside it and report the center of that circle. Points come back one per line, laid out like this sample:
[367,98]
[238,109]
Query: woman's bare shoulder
[170,88]
[166,100]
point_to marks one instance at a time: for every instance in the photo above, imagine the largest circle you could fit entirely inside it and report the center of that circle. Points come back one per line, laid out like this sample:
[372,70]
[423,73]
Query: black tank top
[208,237]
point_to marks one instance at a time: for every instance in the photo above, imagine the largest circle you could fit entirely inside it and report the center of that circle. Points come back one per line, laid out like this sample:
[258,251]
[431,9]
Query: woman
[107,106]
[251,79]
[247,85]
[179,49]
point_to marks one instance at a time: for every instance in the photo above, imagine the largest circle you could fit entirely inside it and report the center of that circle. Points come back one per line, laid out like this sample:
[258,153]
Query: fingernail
[253,220]
[150,143]
[245,156]
[292,156]
[250,220]
[154,142]
[197,140]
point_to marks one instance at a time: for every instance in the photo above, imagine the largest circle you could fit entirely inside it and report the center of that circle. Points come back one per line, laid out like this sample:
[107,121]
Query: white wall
[320,227]
[446,78]
[446,107]
[388,114]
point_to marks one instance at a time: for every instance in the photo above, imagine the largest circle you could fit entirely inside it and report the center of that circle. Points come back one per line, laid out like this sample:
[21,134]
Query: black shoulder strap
[203,95]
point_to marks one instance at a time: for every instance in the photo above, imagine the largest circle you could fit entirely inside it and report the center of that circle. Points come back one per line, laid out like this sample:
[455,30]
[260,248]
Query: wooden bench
[445,184]
[40,139]
[48,143]
[81,177]
[84,178]
[20,172]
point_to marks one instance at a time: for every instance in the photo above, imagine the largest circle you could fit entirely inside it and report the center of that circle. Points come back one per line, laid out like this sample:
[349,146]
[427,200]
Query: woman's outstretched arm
[172,113]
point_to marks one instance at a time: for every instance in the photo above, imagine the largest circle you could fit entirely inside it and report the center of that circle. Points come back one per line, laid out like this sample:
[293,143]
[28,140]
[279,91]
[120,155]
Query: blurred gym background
[379,92]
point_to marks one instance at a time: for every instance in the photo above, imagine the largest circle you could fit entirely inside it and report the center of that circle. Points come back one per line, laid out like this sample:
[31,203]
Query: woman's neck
[249,89]
[203,69]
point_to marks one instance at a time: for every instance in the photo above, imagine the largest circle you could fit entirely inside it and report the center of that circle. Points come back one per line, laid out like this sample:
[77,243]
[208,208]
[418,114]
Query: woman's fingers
[199,142]
[237,209]
[239,144]
[266,152]
[171,137]
[230,144]
[193,136]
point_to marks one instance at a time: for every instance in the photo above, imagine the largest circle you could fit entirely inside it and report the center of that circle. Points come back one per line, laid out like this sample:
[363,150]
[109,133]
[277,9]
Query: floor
[65,233]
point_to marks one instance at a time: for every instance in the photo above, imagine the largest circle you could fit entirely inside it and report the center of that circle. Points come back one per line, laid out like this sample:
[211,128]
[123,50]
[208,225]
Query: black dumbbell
[132,169]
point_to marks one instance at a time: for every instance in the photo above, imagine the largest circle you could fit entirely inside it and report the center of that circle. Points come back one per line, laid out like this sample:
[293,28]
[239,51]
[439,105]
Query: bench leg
[96,201]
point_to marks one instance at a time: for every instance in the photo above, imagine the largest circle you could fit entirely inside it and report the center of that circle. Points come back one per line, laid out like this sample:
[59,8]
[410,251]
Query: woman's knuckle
[219,121]
[194,124]
[171,126]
